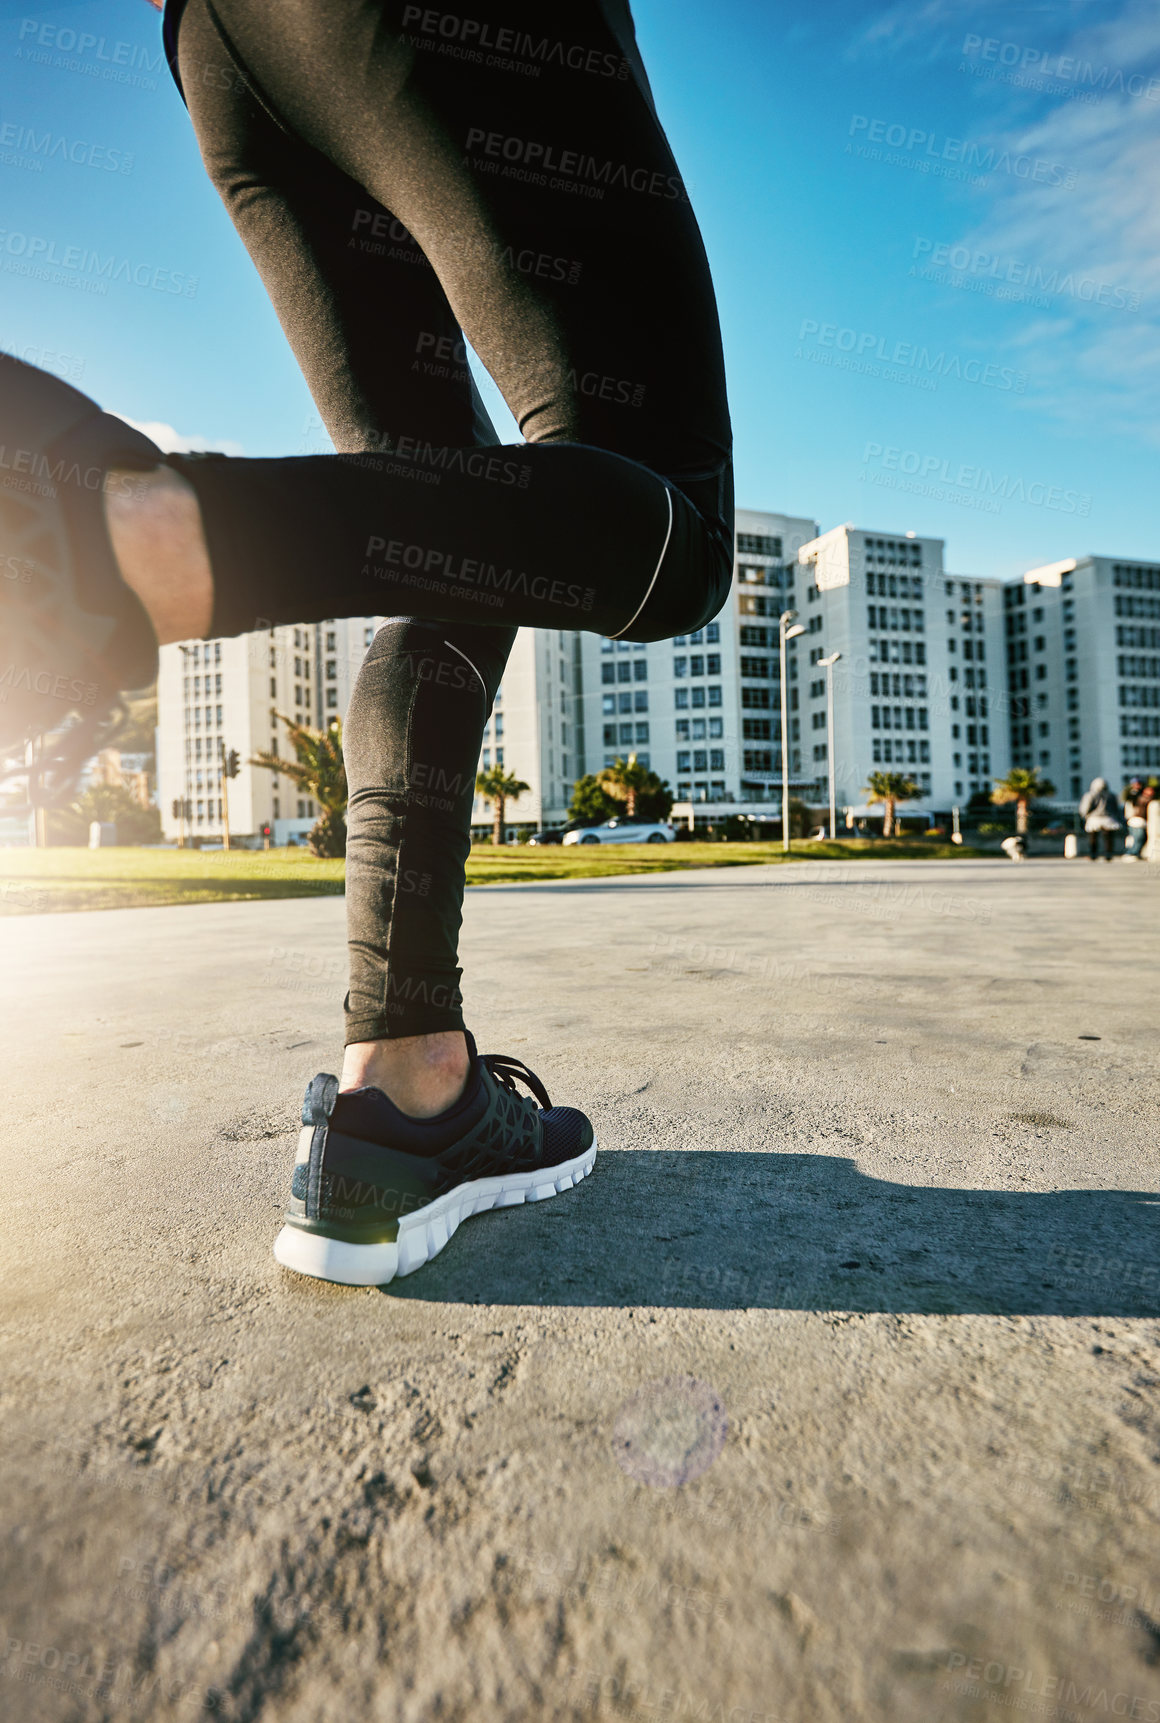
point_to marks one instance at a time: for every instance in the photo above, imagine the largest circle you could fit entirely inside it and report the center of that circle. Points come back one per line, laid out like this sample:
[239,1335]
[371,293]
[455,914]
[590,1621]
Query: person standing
[1100,813]
[1136,819]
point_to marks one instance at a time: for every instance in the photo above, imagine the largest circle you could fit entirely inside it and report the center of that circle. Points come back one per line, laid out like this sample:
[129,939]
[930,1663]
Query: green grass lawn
[35,881]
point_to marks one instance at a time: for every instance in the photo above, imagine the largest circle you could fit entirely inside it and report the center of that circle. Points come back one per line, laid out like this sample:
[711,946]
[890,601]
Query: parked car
[559,834]
[624,832]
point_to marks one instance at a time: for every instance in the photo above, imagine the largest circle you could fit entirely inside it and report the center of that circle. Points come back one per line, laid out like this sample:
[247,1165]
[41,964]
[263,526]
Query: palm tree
[624,781]
[890,788]
[318,768]
[499,788]
[1022,785]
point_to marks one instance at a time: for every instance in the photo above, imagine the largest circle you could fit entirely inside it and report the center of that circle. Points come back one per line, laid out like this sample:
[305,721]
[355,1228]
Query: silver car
[618,831]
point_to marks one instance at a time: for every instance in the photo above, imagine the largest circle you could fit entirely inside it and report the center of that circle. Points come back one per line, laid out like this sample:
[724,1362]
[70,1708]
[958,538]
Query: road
[833,1394]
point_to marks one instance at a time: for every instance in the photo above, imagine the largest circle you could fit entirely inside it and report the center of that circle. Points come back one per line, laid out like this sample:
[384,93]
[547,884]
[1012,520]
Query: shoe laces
[508,1072]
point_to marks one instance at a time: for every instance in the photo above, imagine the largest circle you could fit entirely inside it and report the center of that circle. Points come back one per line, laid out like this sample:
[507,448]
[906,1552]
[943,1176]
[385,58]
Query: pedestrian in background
[1136,798]
[1100,812]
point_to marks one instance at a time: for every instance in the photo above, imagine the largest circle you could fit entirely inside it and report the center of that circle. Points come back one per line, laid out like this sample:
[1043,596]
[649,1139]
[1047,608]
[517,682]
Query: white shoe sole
[423,1233]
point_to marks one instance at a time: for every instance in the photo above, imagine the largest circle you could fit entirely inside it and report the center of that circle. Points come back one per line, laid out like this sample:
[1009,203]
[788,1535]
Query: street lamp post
[828,666]
[787,627]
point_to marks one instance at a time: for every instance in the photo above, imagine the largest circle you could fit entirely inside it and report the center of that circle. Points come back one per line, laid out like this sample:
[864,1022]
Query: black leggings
[406,178]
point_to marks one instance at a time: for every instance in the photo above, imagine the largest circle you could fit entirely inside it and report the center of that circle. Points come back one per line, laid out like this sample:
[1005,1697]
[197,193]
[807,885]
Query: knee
[691,589]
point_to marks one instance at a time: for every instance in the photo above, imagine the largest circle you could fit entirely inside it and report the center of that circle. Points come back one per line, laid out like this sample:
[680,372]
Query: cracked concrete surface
[877,1179]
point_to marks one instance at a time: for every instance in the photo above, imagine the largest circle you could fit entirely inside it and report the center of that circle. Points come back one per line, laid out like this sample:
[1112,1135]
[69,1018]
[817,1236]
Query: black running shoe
[376,1193]
[73,636]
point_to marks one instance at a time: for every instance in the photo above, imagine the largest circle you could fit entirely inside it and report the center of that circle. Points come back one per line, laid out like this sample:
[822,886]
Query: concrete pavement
[834,1393]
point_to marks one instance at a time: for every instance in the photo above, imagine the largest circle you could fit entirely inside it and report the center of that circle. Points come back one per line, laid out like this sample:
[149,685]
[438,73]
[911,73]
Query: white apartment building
[536,730]
[215,694]
[224,693]
[1083,668]
[703,710]
[918,686]
[950,677]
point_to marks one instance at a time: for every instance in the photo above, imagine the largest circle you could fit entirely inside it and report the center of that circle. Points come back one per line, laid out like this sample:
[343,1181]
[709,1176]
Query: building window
[680,666]
[715,694]
[608,671]
[684,761]
[332,699]
[608,703]
[640,670]
[713,633]
[640,700]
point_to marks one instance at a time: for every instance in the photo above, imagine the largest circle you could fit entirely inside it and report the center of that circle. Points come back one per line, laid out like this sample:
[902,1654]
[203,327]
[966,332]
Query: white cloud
[172,442]
[1089,363]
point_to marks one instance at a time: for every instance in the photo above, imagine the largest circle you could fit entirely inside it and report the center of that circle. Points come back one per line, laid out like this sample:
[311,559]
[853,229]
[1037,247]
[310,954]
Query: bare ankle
[155,527]
[422,1074]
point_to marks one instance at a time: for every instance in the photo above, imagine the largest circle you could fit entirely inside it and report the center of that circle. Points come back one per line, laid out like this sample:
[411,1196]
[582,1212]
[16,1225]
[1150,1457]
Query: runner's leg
[355,319]
[548,202]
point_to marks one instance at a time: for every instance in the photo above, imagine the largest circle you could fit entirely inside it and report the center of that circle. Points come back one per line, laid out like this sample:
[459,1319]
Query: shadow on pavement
[714,1230]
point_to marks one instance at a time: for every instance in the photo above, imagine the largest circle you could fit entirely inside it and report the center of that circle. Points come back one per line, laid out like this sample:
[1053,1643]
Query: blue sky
[871,183]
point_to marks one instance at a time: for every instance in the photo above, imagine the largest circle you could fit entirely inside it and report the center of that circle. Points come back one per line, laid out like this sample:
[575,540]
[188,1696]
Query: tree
[135,824]
[317,768]
[655,801]
[890,788]
[643,794]
[624,780]
[499,788]
[1022,785]
[590,801]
